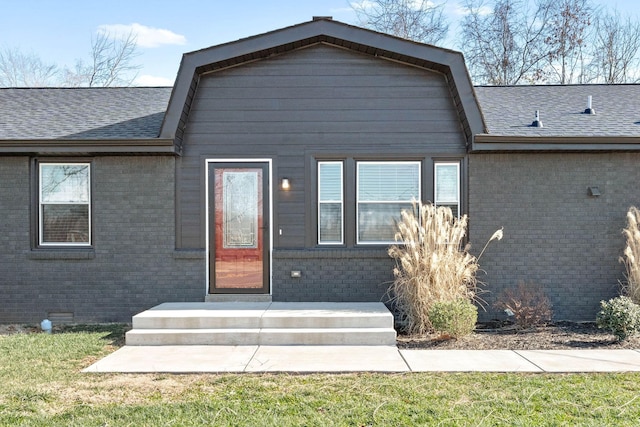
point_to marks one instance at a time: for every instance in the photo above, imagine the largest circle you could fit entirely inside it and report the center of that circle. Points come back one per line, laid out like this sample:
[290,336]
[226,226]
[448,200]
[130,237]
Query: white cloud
[145,36]
[148,80]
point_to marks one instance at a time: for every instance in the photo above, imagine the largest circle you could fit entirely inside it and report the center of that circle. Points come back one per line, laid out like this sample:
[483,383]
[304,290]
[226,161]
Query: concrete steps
[263,323]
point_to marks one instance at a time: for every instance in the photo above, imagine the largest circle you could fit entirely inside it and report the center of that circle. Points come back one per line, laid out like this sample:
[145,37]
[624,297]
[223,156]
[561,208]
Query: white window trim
[41,241]
[358,163]
[437,202]
[341,201]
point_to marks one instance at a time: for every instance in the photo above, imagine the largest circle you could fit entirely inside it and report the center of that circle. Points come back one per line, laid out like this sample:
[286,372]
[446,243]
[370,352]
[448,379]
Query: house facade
[275,168]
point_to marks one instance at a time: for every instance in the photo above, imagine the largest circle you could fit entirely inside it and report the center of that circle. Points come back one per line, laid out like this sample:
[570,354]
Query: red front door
[238,215]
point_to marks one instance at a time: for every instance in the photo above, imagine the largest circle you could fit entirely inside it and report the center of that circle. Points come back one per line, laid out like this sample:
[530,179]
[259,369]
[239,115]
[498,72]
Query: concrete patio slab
[327,315]
[584,360]
[202,315]
[467,361]
[176,359]
[327,359]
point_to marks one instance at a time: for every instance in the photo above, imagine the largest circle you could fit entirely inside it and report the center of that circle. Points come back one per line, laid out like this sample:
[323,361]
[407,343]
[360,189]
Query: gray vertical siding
[555,235]
[319,99]
[134,264]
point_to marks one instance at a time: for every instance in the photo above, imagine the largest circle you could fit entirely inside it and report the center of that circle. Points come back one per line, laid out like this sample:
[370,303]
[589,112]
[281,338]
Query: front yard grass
[41,385]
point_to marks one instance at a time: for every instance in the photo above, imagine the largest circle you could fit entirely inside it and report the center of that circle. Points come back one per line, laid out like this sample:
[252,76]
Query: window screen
[330,203]
[384,190]
[447,185]
[64,204]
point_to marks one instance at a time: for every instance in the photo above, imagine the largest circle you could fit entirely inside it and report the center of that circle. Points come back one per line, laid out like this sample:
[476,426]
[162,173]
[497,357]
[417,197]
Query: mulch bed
[562,335]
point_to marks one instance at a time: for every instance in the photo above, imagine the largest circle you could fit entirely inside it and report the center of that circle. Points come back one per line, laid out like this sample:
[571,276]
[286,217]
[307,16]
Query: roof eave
[502,143]
[102,146]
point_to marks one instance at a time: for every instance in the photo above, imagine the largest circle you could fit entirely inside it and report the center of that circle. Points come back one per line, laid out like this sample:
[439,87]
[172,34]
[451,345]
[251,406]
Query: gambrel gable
[329,32]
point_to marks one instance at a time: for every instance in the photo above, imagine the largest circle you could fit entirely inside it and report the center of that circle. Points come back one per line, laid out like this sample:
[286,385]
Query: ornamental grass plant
[631,258]
[432,263]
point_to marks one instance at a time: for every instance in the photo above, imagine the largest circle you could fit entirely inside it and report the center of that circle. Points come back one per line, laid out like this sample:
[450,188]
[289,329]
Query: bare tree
[616,49]
[418,20]
[28,70]
[111,63]
[567,38]
[506,45]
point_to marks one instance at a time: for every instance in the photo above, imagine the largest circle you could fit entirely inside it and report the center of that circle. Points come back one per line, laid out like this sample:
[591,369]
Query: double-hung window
[330,203]
[384,189]
[64,203]
[446,182]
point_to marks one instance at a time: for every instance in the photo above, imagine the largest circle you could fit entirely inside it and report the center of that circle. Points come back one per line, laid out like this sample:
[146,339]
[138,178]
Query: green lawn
[41,385]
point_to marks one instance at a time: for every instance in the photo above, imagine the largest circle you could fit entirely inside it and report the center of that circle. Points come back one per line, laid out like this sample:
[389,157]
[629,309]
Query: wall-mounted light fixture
[285,184]
[594,191]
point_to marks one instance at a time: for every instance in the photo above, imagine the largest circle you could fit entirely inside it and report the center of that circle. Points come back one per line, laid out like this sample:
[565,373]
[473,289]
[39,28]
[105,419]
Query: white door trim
[207,222]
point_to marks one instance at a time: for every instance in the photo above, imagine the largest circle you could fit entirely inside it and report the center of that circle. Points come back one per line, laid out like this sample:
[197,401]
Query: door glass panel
[240,214]
[238,229]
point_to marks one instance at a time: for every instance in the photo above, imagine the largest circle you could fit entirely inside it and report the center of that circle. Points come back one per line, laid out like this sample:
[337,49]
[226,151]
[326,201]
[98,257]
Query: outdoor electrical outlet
[296,273]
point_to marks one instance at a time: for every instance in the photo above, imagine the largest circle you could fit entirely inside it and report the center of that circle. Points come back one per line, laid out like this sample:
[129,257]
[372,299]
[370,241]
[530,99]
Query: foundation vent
[58,317]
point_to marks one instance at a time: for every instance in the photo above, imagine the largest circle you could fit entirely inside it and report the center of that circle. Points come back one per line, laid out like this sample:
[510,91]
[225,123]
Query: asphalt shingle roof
[510,110]
[82,113]
[137,112]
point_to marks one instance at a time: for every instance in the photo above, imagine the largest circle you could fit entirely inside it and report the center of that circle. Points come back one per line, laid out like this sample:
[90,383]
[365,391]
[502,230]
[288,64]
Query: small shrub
[620,315]
[454,318]
[528,303]
[631,258]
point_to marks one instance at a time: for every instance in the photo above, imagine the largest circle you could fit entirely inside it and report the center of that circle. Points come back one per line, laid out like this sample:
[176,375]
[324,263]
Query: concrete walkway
[306,359]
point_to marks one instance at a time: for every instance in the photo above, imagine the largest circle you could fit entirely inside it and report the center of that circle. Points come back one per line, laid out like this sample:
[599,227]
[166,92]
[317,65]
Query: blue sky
[60,31]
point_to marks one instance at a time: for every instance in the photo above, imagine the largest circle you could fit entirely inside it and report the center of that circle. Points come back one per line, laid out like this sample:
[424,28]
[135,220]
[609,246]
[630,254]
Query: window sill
[61,254]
